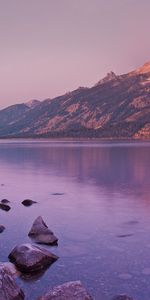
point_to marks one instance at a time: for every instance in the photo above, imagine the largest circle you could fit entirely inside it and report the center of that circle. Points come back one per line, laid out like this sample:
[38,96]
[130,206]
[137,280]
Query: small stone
[28,202]
[124,235]
[58,194]
[41,233]
[73,290]
[2,228]
[29,258]
[5,201]
[4,207]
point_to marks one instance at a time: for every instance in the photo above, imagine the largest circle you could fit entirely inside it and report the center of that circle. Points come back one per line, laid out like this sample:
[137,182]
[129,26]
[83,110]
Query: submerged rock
[2,228]
[132,222]
[124,235]
[9,290]
[5,201]
[41,233]
[122,297]
[29,258]
[73,290]
[58,194]
[5,207]
[28,202]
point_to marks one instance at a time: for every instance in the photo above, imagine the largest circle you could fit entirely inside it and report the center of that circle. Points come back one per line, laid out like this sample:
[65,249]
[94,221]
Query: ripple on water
[125,276]
[116,248]
[71,251]
[146,271]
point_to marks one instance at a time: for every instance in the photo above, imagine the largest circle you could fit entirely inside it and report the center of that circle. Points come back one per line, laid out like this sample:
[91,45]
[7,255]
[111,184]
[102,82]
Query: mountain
[32,103]
[118,106]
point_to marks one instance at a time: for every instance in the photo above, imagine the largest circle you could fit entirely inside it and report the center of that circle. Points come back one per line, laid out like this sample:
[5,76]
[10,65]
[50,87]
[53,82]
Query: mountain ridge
[117,106]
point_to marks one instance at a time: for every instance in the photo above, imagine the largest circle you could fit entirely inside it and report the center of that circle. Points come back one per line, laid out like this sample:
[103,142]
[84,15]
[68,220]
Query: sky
[50,47]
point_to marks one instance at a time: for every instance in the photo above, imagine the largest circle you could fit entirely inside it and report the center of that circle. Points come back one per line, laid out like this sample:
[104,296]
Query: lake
[101,213]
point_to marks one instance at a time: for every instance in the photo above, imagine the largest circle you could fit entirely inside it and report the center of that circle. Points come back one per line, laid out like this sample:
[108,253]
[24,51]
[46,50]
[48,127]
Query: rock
[132,222]
[2,228]
[124,235]
[29,258]
[122,297]
[34,276]
[5,201]
[41,233]
[28,202]
[73,290]
[4,207]
[10,268]
[9,290]
[58,194]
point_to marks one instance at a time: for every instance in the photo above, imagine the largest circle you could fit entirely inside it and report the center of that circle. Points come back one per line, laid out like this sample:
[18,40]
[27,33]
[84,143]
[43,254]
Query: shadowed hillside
[116,107]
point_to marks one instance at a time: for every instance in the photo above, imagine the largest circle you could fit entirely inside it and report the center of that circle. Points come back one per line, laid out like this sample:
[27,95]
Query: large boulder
[29,258]
[9,290]
[73,290]
[41,233]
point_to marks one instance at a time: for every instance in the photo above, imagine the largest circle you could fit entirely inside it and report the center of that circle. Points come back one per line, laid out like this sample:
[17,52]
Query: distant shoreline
[74,139]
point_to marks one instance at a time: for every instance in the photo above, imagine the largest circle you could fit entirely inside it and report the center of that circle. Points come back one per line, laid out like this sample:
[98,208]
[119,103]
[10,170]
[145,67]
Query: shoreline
[74,139]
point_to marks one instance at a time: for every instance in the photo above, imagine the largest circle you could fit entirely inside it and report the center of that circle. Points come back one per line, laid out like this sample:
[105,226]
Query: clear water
[102,218]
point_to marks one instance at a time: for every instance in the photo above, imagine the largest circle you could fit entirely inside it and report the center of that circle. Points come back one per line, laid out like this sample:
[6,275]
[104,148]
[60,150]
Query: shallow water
[95,196]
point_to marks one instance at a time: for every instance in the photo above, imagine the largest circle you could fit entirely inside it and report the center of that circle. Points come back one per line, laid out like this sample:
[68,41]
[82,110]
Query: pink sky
[48,47]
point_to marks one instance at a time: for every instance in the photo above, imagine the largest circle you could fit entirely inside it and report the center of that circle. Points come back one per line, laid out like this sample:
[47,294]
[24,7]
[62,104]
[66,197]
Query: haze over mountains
[116,107]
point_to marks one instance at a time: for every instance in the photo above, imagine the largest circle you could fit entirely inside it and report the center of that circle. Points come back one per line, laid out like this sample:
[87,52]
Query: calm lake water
[102,217]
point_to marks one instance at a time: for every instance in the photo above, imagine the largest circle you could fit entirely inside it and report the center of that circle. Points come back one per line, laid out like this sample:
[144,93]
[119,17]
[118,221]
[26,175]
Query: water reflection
[124,169]
[95,196]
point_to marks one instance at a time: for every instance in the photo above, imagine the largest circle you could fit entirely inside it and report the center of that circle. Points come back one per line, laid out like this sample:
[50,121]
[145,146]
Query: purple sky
[48,47]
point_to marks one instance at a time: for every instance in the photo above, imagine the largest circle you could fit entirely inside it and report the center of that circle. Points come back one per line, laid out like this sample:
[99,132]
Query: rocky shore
[29,259]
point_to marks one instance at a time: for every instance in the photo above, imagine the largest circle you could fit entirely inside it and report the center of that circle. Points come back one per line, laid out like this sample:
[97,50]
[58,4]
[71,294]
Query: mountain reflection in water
[96,198]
